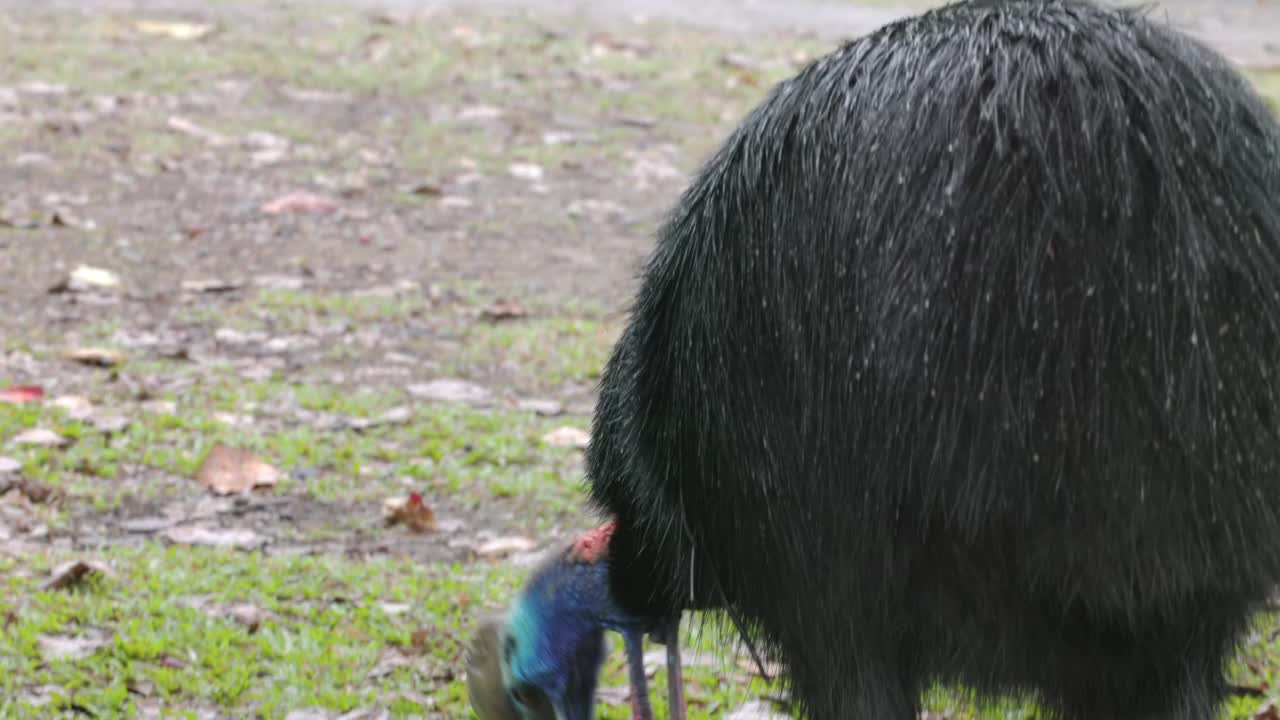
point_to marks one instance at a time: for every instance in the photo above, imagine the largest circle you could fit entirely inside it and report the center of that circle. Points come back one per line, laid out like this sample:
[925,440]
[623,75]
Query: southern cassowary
[958,362]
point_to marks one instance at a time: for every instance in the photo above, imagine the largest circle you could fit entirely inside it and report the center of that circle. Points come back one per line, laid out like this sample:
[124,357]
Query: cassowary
[958,362]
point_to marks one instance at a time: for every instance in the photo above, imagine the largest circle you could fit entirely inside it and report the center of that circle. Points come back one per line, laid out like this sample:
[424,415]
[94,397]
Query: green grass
[329,627]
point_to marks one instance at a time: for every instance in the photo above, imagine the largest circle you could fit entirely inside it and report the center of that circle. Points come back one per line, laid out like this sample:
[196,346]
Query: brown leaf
[411,511]
[95,356]
[419,639]
[230,471]
[567,437]
[228,538]
[1267,712]
[70,574]
[19,394]
[504,310]
[173,663]
[33,490]
[301,202]
[425,189]
[41,437]
[250,616]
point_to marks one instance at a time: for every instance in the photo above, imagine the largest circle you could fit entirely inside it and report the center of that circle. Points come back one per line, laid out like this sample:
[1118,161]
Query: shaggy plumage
[958,362]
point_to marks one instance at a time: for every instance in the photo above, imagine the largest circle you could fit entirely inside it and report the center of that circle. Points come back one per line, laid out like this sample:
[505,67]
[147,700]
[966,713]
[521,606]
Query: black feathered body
[959,361]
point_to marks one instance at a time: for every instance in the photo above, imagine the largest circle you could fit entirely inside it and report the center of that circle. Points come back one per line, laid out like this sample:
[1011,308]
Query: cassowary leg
[675,672]
[634,644]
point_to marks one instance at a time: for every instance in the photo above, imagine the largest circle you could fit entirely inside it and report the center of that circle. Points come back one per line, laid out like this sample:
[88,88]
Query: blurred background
[301,310]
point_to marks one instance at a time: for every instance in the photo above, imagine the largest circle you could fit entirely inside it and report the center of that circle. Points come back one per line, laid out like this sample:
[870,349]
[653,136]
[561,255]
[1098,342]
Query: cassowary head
[541,660]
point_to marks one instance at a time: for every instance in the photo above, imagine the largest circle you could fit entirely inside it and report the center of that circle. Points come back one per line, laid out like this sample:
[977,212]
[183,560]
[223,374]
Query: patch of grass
[172,647]
[548,351]
[288,307]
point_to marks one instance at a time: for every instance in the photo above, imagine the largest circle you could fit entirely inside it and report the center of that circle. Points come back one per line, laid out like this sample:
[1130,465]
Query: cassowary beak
[485,688]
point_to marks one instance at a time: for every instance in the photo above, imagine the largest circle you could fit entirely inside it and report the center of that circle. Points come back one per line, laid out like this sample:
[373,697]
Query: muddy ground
[385,247]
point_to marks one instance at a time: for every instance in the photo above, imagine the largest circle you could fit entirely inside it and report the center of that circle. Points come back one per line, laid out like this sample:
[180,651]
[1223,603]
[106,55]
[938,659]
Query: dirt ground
[384,245]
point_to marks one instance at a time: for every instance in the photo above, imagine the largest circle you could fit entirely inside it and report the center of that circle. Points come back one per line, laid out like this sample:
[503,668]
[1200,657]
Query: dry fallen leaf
[41,437]
[70,574]
[8,465]
[175,30]
[411,511]
[250,616]
[525,171]
[230,471]
[1267,712]
[209,285]
[300,202]
[504,310]
[97,357]
[503,546]
[85,278]
[567,437]
[75,406]
[452,390]
[187,127]
[18,394]
[228,538]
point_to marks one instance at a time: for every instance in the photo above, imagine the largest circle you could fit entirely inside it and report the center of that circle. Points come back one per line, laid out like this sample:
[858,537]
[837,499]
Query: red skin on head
[593,545]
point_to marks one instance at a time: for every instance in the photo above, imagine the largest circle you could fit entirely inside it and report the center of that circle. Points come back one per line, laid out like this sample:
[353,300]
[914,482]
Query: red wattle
[593,545]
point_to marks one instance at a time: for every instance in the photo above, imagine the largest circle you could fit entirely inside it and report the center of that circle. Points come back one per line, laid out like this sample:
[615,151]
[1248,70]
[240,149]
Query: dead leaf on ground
[301,202]
[86,278]
[224,538]
[26,491]
[210,285]
[69,647]
[8,465]
[187,127]
[567,437]
[249,616]
[95,356]
[41,437]
[504,546]
[19,394]
[175,30]
[231,471]
[425,189]
[1267,712]
[504,310]
[539,406]
[452,390]
[111,424]
[76,407]
[75,572]
[411,511]
[525,171]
